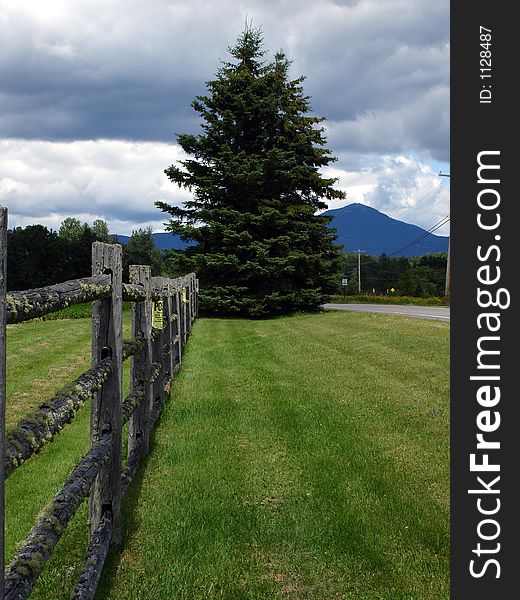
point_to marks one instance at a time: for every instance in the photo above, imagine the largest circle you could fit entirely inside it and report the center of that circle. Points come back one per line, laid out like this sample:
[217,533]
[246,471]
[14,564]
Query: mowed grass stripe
[304,457]
[322,444]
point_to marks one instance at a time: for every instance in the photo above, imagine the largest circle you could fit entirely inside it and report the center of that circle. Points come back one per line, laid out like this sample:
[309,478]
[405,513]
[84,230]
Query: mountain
[163,241]
[360,227]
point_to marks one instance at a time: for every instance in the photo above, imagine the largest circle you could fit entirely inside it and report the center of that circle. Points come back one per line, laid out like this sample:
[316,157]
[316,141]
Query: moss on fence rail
[97,551]
[133,346]
[130,403]
[26,439]
[29,304]
[34,552]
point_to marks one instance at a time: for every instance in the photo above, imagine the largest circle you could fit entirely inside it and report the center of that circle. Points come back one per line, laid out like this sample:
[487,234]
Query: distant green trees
[35,257]
[38,256]
[140,250]
[71,229]
[416,276]
[255,172]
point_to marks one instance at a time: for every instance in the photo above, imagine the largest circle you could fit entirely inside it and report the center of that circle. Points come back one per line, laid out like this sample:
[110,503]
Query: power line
[447,286]
[406,209]
[438,225]
[430,231]
[419,202]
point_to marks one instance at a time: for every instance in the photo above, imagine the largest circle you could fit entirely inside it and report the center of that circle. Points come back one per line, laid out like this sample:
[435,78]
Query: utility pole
[359,252]
[447,286]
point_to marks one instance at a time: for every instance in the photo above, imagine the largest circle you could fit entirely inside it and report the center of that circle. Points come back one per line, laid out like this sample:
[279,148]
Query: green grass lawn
[298,458]
[41,356]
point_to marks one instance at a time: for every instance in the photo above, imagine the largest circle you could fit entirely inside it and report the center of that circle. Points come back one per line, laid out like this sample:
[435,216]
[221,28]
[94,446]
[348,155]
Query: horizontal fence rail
[163,311]
[41,426]
[30,304]
[30,559]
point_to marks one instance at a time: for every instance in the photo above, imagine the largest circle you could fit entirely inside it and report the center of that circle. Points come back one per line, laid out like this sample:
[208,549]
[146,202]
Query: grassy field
[40,357]
[299,458]
[44,356]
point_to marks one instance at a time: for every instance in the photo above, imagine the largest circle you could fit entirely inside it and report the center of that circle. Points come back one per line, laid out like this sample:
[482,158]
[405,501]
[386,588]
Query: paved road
[437,313]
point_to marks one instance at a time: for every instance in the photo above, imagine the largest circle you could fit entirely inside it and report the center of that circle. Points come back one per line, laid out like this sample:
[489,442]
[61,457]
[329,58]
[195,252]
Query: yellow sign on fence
[184,298]
[157,314]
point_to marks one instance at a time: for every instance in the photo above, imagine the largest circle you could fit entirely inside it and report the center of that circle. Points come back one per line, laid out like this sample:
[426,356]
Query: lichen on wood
[34,552]
[167,348]
[130,403]
[133,346]
[29,304]
[105,407]
[156,410]
[133,292]
[92,471]
[28,437]
[156,371]
[132,464]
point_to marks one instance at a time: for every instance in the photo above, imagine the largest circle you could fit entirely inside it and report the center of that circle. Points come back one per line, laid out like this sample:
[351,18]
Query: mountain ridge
[359,227]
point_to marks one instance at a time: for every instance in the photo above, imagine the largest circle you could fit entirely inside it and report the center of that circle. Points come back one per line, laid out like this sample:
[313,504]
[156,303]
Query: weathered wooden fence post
[3,281]
[192,298]
[171,326]
[184,313]
[177,355]
[196,297]
[171,308]
[139,424]
[105,408]
[188,302]
[158,344]
[167,335]
[178,310]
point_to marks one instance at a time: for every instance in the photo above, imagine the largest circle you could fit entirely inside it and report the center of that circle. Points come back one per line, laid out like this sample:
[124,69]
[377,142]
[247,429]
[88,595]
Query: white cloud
[402,187]
[119,181]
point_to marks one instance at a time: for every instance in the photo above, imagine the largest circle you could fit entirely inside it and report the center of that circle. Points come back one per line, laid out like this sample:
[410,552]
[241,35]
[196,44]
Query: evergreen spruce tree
[260,249]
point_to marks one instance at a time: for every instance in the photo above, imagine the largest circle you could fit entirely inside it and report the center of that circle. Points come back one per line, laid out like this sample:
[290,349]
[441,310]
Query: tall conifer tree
[259,248]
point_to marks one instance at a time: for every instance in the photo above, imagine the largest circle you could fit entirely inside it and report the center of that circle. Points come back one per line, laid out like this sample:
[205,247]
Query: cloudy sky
[92,93]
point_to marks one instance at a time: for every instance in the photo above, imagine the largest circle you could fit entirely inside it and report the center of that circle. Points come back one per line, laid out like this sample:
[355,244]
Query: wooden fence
[163,311]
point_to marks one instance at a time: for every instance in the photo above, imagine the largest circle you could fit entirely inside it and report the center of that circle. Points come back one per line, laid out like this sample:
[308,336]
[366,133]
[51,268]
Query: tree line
[38,256]
[420,276]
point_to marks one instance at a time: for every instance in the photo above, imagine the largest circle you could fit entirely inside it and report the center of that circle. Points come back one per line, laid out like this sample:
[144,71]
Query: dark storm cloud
[381,75]
[114,70]
[130,70]
[130,111]
[92,94]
